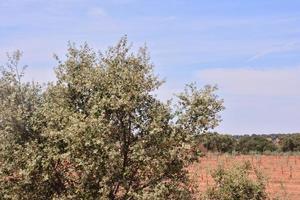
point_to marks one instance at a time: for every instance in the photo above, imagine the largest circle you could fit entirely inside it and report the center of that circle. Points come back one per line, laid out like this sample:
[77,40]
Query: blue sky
[249,48]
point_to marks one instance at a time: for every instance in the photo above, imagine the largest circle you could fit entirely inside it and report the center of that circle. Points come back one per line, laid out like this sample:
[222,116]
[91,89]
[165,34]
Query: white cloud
[257,100]
[265,82]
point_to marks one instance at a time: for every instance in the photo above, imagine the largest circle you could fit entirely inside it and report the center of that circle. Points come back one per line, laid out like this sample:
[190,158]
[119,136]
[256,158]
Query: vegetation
[254,143]
[290,143]
[236,184]
[218,143]
[99,132]
[246,144]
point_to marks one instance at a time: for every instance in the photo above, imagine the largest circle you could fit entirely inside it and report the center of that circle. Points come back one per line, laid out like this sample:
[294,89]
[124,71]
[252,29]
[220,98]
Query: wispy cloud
[183,37]
[97,12]
[281,48]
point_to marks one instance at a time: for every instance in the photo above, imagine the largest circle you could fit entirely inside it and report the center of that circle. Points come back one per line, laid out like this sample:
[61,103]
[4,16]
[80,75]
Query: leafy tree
[290,143]
[217,142]
[99,132]
[256,143]
[236,184]
[18,104]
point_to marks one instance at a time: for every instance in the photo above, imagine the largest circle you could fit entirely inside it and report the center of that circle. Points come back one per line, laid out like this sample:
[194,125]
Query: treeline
[245,144]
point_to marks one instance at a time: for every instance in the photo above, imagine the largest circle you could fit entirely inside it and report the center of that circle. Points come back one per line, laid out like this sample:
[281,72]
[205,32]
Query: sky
[250,49]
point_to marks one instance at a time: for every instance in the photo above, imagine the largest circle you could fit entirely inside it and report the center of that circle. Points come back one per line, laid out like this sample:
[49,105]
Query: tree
[18,105]
[236,184]
[18,101]
[102,133]
[290,143]
[254,143]
[218,143]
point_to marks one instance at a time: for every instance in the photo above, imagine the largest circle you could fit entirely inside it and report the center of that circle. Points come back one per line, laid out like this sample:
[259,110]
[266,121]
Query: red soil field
[281,171]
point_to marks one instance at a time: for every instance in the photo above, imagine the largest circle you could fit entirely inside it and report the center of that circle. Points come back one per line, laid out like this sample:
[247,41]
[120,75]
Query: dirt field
[282,171]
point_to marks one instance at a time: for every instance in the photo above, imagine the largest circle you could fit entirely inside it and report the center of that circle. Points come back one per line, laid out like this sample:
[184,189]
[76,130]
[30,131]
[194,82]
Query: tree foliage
[217,142]
[99,132]
[290,143]
[236,184]
[255,143]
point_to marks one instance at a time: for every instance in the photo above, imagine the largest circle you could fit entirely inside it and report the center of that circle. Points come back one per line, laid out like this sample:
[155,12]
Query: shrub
[236,184]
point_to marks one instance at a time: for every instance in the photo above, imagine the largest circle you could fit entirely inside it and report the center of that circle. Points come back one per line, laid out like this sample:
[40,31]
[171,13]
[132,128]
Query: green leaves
[236,184]
[99,131]
[198,109]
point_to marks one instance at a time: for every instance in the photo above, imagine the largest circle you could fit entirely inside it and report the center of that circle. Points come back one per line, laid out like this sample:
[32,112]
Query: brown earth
[282,171]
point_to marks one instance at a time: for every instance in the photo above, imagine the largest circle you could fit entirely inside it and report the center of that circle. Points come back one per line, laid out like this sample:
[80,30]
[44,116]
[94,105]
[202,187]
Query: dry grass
[282,172]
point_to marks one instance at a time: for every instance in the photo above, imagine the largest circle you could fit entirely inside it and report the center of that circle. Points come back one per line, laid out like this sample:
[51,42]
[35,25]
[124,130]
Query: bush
[236,184]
